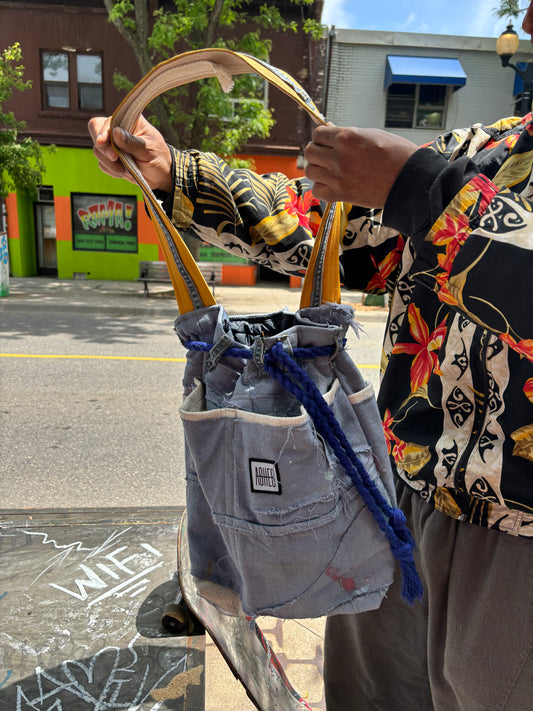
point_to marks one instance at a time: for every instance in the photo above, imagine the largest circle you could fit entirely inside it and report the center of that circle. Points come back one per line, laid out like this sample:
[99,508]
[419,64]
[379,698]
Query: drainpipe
[331,37]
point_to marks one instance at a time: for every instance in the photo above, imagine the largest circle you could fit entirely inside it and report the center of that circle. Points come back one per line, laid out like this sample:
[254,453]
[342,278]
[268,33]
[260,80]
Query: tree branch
[213,22]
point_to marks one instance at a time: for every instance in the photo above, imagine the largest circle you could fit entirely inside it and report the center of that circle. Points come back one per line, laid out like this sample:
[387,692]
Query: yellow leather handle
[189,285]
[322,280]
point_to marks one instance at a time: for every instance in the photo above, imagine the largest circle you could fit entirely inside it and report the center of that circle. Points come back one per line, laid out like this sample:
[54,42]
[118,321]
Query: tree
[507,8]
[21,162]
[200,114]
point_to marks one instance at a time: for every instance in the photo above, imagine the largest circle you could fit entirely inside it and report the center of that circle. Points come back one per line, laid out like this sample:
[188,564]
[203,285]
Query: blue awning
[518,87]
[424,70]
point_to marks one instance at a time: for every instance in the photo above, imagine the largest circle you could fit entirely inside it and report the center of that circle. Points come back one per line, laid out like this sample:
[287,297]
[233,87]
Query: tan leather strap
[322,278]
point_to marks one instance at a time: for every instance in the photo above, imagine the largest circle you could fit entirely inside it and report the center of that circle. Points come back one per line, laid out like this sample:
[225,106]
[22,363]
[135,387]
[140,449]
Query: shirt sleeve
[265,218]
[272,220]
[471,222]
[435,174]
[425,186]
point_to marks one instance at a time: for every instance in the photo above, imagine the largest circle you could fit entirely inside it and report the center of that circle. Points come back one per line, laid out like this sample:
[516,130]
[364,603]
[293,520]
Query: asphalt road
[89,409]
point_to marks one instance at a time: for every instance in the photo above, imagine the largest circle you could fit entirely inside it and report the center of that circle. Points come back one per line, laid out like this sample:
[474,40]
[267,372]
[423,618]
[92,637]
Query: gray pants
[465,647]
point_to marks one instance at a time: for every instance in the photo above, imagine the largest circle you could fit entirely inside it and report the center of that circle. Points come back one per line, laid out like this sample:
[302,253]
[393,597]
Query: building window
[257,92]
[416,106]
[89,75]
[72,81]
[55,80]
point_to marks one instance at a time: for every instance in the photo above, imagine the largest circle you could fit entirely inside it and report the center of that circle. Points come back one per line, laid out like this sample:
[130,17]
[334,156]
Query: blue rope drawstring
[391,521]
[299,353]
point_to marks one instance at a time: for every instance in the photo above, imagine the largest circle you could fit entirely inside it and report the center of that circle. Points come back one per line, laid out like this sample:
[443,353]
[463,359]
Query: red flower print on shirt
[425,360]
[395,446]
[301,207]
[523,347]
[528,389]
[385,268]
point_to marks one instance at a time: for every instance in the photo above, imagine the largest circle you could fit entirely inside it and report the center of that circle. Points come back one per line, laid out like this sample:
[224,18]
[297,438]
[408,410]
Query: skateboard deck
[238,638]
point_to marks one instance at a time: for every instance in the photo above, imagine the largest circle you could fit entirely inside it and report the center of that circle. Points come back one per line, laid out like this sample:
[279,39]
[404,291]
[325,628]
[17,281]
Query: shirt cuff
[425,186]
[167,199]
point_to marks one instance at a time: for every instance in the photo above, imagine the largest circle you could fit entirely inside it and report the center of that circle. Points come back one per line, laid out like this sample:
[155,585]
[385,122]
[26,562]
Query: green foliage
[122,82]
[201,115]
[21,163]
[123,10]
[507,8]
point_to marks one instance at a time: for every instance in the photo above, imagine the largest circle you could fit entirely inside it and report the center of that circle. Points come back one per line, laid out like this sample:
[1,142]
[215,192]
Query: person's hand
[355,165]
[146,145]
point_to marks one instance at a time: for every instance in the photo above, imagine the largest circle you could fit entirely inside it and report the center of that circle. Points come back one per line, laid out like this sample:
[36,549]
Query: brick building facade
[70,52]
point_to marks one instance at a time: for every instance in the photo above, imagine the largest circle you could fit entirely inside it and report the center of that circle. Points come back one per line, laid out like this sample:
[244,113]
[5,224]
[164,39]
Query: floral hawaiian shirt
[456,257]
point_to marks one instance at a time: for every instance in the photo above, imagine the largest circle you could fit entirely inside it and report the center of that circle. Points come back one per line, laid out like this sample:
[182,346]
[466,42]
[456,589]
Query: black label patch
[264,476]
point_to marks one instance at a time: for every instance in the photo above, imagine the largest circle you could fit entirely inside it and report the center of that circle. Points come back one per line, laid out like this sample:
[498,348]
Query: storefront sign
[104,223]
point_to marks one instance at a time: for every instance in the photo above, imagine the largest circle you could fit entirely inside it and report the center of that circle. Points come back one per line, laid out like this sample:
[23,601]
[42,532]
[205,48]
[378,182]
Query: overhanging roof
[403,69]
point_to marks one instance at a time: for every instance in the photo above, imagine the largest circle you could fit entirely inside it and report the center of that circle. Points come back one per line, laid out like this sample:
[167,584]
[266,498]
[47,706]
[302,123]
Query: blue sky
[474,18]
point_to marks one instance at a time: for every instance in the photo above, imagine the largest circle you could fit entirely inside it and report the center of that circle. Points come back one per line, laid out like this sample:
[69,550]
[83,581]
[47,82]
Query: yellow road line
[95,357]
[102,357]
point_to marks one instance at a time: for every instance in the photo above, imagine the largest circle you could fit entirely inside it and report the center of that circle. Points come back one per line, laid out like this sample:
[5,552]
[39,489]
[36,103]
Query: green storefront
[83,223]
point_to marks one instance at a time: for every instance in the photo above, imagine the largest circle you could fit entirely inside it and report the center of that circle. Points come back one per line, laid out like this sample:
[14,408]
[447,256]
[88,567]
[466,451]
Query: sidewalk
[125,298]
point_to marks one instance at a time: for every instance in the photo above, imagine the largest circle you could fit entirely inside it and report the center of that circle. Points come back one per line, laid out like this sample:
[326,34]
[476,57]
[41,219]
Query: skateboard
[237,636]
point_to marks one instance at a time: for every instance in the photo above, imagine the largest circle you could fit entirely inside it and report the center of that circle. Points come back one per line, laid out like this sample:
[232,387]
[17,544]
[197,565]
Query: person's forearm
[268,219]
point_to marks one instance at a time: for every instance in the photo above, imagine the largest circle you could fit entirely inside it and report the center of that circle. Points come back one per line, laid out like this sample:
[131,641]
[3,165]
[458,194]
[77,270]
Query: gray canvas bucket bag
[290,497]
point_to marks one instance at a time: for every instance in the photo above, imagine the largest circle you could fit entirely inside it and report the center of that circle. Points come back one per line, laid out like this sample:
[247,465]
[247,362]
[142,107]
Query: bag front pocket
[283,505]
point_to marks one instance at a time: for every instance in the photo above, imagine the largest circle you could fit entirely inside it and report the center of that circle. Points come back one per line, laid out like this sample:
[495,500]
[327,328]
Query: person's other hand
[355,165]
[146,145]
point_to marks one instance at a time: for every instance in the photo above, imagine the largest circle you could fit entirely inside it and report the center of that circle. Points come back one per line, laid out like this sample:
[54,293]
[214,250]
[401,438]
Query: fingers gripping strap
[189,285]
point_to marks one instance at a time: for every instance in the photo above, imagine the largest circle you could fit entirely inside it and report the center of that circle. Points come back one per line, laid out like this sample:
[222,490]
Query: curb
[103,309]
[151,311]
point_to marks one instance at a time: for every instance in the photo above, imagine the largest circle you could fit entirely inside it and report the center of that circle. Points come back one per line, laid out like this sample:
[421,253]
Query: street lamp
[506,45]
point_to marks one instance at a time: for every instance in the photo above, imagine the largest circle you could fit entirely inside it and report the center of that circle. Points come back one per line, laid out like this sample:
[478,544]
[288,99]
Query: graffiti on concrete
[81,609]
[111,679]
[108,569]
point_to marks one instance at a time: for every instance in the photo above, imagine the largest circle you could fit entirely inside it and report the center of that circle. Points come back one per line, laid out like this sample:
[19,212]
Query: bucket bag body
[290,498]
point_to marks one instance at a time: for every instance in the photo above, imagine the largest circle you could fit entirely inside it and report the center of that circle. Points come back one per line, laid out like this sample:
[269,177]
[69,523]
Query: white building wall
[356,94]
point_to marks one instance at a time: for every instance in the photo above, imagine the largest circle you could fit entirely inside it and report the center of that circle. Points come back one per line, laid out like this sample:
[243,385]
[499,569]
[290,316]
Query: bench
[157,272]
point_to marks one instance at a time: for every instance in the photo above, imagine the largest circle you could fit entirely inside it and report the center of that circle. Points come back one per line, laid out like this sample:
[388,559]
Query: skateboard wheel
[175,618]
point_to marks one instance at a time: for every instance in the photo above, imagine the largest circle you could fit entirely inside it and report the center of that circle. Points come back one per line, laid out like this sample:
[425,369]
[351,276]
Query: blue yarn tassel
[296,380]
[412,586]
